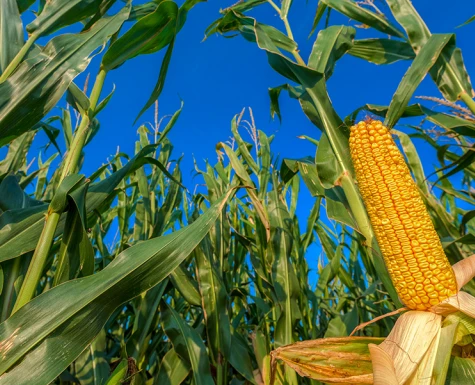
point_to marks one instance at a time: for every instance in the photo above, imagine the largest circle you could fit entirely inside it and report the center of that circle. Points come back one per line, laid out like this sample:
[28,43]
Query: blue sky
[218,77]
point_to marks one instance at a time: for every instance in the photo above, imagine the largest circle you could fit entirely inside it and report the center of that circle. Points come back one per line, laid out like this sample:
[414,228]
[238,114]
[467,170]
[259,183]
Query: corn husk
[344,360]
[416,352]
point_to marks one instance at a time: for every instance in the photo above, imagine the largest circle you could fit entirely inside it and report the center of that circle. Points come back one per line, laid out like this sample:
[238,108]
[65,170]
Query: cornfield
[128,276]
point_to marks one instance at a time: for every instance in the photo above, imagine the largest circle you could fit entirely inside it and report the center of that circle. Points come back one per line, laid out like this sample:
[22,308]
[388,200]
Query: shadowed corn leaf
[382,51]
[188,345]
[173,369]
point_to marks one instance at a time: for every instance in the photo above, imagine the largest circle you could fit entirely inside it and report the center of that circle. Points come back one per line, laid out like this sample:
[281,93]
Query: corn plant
[337,183]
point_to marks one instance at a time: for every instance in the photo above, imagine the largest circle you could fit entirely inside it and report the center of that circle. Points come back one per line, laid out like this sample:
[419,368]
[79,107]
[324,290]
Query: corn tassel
[411,248]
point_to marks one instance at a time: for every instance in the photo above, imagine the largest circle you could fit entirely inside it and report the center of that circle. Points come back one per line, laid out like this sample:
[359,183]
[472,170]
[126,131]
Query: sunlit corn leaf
[414,161]
[11,32]
[244,6]
[120,373]
[214,298]
[423,62]
[448,72]
[140,10]
[150,34]
[77,98]
[39,82]
[15,159]
[331,44]
[442,360]
[284,8]
[363,15]
[59,315]
[321,8]
[382,51]
[280,249]
[60,13]
[187,286]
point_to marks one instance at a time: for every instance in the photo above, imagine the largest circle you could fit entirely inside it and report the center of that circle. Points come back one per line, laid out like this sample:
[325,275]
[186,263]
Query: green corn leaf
[173,369]
[382,51]
[423,62]
[11,32]
[60,13]
[353,10]
[20,229]
[187,343]
[76,254]
[470,20]
[187,287]
[59,62]
[119,375]
[461,371]
[23,5]
[150,34]
[414,161]
[449,72]
[15,159]
[91,366]
[215,303]
[60,315]
[331,44]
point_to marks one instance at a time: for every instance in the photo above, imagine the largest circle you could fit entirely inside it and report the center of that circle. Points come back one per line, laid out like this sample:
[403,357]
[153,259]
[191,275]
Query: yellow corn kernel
[415,256]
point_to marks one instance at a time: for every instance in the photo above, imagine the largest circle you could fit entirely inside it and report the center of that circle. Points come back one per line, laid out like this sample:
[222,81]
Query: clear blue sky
[218,77]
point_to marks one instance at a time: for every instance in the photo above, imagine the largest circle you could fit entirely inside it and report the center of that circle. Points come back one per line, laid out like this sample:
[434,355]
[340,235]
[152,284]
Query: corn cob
[413,253]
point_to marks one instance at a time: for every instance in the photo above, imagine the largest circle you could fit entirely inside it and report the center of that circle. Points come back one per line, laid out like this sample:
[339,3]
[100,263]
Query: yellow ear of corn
[408,241]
